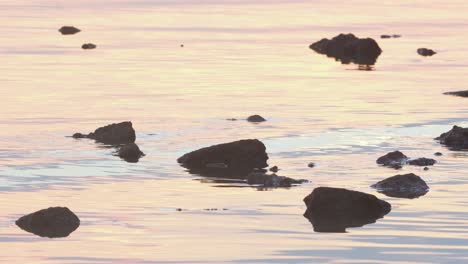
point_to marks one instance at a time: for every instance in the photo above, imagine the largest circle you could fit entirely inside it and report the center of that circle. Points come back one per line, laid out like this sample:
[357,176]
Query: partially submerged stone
[274,169]
[88,46]
[114,134]
[53,222]
[422,162]
[425,52]
[272,180]
[348,48]
[390,36]
[335,209]
[130,152]
[239,156]
[68,30]
[458,93]
[403,186]
[456,138]
[438,154]
[256,119]
[311,165]
[393,159]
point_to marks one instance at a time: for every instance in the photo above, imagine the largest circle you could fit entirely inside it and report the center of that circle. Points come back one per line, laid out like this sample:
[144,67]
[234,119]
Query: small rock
[182,45]
[272,180]
[438,154]
[88,46]
[274,169]
[311,165]
[426,52]
[385,36]
[53,222]
[458,93]
[402,186]
[456,138]
[130,152]
[231,119]
[426,168]
[114,134]
[393,159]
[422,162]
[256,119]
[68,30]
[396,36]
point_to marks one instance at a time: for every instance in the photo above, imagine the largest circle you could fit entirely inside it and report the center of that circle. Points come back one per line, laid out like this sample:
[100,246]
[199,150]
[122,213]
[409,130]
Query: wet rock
[458,93]
[256,119]
[114,134]
[272,180]
[335,209]
[426,168]
[274,169]
[348,48]
[311,165]
[53,222]
[130,152]
[393,159]
[425,52]
[231,119]
[422,162]
[456,138]
[438,154]
[88,46]
[68,30]
[390,36]
[240,156]
[403,186]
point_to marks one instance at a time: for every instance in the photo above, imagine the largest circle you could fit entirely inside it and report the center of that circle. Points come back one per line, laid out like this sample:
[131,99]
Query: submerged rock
[425,52]
[335,209]
[393,159]
[239,156]
[422,162]
[53,222]
[68,30]
[348,48]
[256,119]
[403,186]
[272,180]
[88,46]
[456,138]
[458,93]
[114,134]
[390,36]
[130,152]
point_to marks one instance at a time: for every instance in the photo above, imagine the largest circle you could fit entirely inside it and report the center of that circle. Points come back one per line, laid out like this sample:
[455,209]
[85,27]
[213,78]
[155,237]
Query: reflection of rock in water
[402,186]
[335,209]
[53,222]
[347,48]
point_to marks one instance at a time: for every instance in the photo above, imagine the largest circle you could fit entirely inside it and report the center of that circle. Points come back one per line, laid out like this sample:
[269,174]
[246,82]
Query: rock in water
[458,93]
[272,180]
[256,119]
[335,209]
[311,165]
[274,169]
[68,30]
[456,138]
[393,159]
[241,156]
[53,222]
[348,48]
[114,134]
[130,152]
[425,52]
[88,46]
[403,186]
[422,162]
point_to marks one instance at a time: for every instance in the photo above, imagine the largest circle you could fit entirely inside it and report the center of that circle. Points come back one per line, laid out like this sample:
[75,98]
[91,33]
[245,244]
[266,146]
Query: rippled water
[239,58]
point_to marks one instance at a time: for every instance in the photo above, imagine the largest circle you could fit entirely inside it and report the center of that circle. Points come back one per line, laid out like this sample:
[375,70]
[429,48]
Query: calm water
[240,58]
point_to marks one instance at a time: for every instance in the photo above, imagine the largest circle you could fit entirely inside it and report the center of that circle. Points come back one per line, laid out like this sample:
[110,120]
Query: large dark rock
[458,93]
[422,162]
[53,222]
[256,119]
[68,30]
[272,180]
[403,186]
[456,138]
[335,209]
[130,152]
[393,159]
[114,134]
[425,52]
[239,156]
[348,48]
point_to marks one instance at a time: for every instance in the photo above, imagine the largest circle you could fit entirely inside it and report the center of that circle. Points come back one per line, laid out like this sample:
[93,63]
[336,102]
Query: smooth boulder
[271,180]
[458,93]
[335,209]
[114,134]
[393,159]
[402,186]
[256,119]
[348,48]
[130,153]
[68,30]
[425,52]
[88,46]
[53,222]
[456,138]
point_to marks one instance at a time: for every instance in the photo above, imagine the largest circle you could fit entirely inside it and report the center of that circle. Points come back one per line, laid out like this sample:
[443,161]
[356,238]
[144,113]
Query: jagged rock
[88,46]
[272,180]
[256,119]
[425,52]
[422,162]
[68,30]
[130,152]
[348,48]
[456,138]
[240,156]
[403,186]
[114,134]
[335,209]
[53,222]
[458,93]
[393,159]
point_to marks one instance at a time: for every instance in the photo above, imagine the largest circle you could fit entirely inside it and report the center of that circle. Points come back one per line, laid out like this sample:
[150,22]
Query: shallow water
[239,58]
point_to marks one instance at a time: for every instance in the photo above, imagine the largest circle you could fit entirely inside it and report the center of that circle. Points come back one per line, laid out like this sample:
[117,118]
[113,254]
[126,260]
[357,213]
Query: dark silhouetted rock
[311,165]
[426,52]
[348,48]
[114,134]
[88,46]
[68,30]
[274,169]
[53,222]
[426,168]
[422,162]
[130,152]
[385,36]
[393,159]
[456,138]
[403,186]
[240,156]
[272,180]
[458,93]
[438,154]
[256,119]
[335,209]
